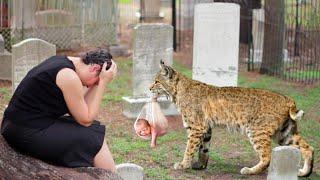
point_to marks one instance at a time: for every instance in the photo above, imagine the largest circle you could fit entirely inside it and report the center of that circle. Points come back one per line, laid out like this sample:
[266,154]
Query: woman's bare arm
[72,89]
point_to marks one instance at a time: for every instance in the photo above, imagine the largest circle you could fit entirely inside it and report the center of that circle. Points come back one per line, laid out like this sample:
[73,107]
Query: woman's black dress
[35,122]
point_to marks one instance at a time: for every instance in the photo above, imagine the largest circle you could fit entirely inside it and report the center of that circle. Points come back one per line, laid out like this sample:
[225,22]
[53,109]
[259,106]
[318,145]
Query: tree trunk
[15,166]
[272,60]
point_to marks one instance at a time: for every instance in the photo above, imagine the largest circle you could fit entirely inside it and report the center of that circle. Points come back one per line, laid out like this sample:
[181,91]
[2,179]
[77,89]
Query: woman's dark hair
[98,56]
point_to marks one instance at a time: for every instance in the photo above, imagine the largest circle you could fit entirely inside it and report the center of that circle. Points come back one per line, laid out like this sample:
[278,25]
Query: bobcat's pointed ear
[166,70]
[162,65]
[163,69]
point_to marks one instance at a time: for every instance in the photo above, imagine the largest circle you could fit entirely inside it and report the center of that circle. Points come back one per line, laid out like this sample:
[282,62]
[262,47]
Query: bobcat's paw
[198,166]
[246,171]
[181,165]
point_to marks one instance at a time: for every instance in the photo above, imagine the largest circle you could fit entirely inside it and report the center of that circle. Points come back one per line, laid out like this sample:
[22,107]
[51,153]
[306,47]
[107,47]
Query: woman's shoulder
[67,74]
[68,79]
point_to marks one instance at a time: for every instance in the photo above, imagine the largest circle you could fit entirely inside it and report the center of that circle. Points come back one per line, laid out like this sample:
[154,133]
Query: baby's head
[142,127]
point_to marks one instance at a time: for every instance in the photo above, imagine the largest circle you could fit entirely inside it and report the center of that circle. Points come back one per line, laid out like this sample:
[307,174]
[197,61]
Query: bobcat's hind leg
[203,151]
[306,152]
[261,142]
[289,136]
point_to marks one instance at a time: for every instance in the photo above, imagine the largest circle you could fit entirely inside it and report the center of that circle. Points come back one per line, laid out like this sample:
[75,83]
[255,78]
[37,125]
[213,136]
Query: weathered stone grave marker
[152,42]
[27,54]
[284,163]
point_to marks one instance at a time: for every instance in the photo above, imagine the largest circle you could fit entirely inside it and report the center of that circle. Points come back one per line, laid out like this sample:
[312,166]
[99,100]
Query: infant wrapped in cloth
[151,122]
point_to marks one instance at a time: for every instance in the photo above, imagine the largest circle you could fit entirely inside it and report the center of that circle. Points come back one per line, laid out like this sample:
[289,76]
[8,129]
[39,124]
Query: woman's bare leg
[104,158]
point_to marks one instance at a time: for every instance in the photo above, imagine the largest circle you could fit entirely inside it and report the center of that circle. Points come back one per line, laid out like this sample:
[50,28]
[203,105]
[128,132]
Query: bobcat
[262,114]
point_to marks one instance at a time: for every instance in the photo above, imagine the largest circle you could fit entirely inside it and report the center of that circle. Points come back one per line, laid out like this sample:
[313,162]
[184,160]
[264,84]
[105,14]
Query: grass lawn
[303,75]
[229,151]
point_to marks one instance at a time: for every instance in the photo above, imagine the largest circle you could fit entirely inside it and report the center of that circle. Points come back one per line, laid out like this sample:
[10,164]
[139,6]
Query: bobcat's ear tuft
[163,68]
[167,72]
[162,65]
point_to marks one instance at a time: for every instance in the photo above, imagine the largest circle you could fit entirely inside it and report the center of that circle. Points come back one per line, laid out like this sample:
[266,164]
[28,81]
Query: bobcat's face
[157,88]
[163,83]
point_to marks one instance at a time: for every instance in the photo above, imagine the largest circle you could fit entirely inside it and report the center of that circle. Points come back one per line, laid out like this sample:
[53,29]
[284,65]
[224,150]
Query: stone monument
[258,18]
[27,54]
[5,62]
[130,171]
[152,42]
[257,34]
[1,44]
[216,43]
[284,163]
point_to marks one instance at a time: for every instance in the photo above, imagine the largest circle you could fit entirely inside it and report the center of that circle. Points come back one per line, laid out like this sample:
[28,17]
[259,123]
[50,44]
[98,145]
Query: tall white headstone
[258,18]
[27,54]
[284,163]
[258,34]
[216,43]
[152,42]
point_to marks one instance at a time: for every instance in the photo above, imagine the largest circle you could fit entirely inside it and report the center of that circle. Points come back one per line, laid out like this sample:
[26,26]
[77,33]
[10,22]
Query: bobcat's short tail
[295,114]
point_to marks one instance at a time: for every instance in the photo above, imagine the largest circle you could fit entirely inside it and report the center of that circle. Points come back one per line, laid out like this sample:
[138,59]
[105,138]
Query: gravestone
[5,62]
[284,163]
[258,17]
[216,43]
[1,44]
[257,34]
[27,54]
[152,42]
[53,17]
[56,26]
[130,171]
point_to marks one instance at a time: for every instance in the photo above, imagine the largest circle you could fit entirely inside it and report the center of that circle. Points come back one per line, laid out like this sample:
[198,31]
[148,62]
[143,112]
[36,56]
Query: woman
[35,120]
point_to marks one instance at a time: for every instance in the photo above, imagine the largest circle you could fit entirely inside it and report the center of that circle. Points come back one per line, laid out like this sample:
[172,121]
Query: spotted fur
[262,114]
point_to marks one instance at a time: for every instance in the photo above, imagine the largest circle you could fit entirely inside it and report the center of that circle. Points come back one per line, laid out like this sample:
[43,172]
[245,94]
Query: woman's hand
[108,75]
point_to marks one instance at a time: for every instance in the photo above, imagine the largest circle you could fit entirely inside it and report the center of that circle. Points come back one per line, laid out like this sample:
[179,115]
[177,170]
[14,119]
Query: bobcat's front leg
[203,151]
[194,140]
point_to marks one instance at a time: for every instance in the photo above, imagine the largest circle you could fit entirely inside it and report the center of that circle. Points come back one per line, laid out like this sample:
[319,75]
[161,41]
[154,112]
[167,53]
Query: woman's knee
[104,158]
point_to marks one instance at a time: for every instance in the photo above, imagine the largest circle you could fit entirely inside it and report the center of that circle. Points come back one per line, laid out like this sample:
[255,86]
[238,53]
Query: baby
[145,130]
